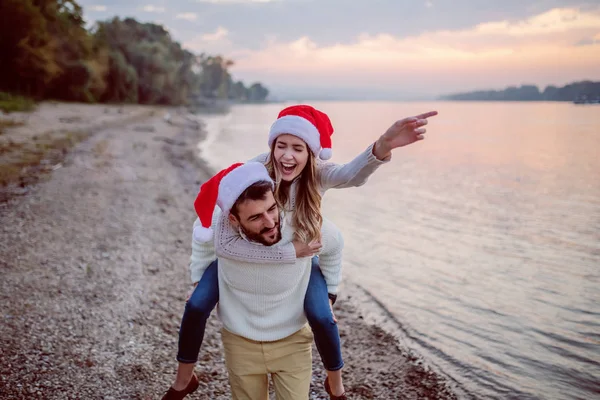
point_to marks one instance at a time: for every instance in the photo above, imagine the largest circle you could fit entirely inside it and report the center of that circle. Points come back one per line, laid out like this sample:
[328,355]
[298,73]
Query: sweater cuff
[288,253]
[333,289]
[196,276]
[374,160]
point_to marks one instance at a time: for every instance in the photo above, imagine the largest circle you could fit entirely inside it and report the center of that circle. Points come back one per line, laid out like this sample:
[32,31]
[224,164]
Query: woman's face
[290,155]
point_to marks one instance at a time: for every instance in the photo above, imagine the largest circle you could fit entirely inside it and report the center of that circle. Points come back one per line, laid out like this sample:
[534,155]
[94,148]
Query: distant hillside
[571,92]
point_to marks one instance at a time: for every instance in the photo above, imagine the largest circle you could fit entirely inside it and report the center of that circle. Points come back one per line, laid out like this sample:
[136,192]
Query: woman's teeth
[288,168]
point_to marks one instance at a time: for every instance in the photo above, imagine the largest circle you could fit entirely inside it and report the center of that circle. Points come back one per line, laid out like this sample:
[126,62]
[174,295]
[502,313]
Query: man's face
[259,220]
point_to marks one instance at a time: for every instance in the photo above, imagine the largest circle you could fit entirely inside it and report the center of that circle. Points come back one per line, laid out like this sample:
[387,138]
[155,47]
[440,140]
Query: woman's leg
[191,333]
[325,330]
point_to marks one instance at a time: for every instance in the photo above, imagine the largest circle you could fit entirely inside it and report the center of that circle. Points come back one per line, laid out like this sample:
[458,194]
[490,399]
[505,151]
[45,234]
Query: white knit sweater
[265,302]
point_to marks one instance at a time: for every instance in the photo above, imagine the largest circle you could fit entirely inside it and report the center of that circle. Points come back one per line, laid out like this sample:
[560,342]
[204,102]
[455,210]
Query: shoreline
[94,261]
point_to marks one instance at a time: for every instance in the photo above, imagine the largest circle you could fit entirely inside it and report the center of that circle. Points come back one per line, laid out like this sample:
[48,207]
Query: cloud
[234,1]
[589,41]
[585,42]
[219,34]
[213,42]
[554,21]
[324,22]
[444,43]
[535,49]
[189,16]
[153,9]
[97,8]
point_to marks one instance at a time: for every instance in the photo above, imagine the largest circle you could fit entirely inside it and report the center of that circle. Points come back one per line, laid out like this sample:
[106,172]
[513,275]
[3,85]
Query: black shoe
[191,387]
[331,395]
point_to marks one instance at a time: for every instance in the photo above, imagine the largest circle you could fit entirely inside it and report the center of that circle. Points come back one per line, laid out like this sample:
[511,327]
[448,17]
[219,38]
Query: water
[483,240]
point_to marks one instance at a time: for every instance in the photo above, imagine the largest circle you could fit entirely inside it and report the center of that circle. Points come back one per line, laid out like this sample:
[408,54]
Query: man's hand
[332,313]
[307,250]
[191,291]
[402,133]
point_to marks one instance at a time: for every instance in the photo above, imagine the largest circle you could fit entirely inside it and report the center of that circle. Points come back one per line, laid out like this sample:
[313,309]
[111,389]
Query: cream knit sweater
[265,302]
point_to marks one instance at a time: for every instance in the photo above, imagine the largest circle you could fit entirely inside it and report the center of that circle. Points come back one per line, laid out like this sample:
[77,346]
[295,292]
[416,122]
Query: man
[261,306]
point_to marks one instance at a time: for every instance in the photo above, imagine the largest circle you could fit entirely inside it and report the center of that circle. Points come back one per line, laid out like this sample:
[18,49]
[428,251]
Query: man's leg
[191,333]
[248,376]
[290,363]
[327,337]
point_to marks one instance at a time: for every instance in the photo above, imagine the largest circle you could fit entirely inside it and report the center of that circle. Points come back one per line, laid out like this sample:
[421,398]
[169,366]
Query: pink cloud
[539,50]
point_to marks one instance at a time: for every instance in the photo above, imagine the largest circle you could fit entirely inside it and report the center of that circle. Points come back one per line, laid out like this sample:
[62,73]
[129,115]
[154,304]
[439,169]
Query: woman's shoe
[191,387]
[331,395]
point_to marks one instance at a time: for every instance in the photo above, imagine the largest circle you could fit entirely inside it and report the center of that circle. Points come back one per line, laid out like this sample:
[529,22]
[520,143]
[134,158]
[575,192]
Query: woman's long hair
[307,219]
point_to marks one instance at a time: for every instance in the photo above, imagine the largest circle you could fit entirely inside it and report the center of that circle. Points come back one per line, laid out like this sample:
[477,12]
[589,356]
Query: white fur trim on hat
[202,234]
[235,182]
[325,154]
[299,127]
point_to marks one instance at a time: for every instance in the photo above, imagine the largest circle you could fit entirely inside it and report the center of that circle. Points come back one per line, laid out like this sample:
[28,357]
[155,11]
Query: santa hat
[223,190]
[307,123]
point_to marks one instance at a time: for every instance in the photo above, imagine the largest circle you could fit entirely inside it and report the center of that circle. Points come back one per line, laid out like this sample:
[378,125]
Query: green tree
[257,93]
[165,72]
[27,49]
[214,77]
[73,52]
[238,91]
[121,81]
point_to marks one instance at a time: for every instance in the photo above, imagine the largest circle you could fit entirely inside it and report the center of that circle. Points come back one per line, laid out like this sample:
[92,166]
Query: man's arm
[203,254]
[229,244]
[330,259]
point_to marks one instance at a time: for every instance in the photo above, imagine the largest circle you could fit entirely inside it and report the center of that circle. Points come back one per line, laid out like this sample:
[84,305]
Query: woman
[299,135]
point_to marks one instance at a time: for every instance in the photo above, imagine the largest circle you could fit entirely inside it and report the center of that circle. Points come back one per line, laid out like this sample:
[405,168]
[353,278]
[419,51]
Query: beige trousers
[249,363]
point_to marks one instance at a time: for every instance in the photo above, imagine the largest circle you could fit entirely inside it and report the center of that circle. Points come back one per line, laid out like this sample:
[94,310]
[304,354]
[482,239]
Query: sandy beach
[95,242]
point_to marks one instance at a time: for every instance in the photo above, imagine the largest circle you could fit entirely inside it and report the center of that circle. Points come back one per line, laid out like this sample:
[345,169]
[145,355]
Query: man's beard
[258,237]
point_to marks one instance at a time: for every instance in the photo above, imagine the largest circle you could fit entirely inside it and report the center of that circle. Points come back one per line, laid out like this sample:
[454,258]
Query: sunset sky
[388,49]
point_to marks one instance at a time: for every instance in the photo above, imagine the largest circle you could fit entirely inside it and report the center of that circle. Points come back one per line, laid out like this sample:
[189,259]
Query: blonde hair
[307,218]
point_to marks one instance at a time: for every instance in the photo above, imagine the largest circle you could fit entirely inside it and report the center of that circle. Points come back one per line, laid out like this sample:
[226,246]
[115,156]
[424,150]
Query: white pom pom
[202,234]
[325,154]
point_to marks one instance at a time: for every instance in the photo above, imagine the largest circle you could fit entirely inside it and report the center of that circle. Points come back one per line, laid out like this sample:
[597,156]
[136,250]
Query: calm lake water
[483,240]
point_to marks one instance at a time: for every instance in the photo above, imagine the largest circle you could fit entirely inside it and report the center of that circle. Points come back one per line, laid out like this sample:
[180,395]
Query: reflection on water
[484,240]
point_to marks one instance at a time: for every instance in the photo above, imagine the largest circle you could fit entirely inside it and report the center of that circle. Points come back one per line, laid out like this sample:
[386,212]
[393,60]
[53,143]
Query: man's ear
[234,221]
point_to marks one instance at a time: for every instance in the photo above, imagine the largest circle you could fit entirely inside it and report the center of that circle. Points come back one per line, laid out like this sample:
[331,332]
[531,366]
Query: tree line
[47,53]
[570,92]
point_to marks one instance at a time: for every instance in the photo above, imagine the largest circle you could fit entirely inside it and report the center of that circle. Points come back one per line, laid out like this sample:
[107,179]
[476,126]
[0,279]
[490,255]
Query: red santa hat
[223,190]
[307,123]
